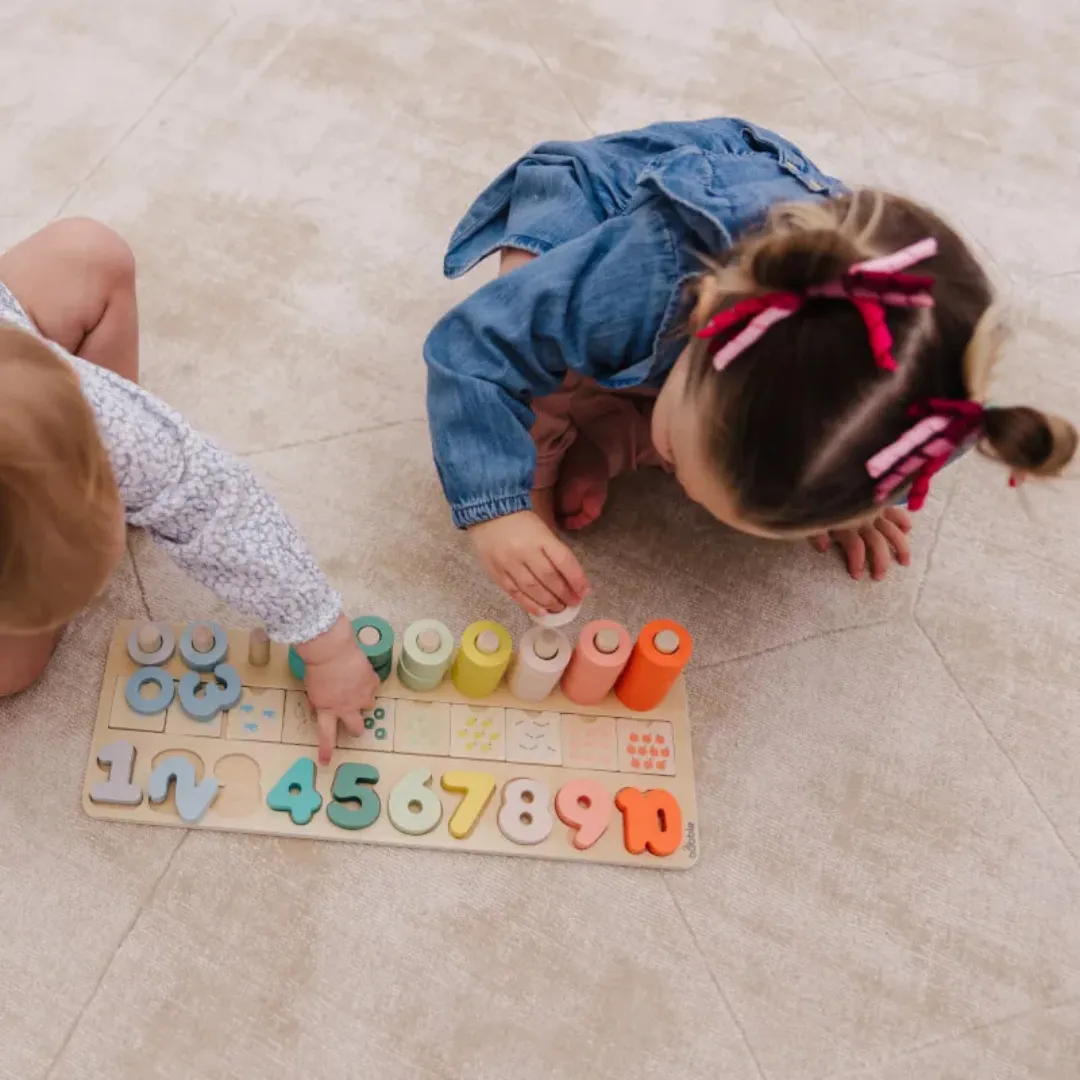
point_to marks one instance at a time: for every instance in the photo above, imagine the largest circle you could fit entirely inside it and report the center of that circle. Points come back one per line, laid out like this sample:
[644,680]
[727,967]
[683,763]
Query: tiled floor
[889,774]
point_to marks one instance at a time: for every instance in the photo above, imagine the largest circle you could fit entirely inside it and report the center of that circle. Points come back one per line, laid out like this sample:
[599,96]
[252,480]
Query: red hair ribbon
[925,448]
[871,286]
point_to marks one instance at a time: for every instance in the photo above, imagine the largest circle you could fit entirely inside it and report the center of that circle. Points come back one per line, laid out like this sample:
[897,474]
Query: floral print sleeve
[202,505]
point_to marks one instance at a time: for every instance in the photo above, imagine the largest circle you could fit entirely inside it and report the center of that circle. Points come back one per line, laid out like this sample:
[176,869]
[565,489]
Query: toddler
[702,298]
[84,450]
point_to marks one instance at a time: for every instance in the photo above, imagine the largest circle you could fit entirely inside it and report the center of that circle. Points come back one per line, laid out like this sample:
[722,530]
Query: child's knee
[101,249]
[23,661]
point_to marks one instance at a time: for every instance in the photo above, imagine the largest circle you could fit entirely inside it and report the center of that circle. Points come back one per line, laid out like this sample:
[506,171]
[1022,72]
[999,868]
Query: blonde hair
[805,407]
[59,505]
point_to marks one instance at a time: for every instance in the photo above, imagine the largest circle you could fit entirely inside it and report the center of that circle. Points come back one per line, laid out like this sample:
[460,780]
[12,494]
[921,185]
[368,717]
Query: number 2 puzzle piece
[378,731]
[478,732]
[259,715]
[295,793]
[192,799]
[646,746]
[652,821]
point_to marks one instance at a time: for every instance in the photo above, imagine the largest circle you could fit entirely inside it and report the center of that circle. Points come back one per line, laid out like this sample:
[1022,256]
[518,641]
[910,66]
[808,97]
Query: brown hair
[59,506]
[795,418]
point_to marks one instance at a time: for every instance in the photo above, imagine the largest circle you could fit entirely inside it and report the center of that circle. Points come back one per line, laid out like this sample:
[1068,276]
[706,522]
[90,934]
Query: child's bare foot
[885,535]
[582,487]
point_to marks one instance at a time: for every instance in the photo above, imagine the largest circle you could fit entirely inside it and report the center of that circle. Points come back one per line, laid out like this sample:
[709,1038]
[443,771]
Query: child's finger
[878,548]
[821,542]
[549,576]
[854,551]
[525,581]
[895,535]
[327,721]
[353,722]
[562,558]
[899,517]
[522,600]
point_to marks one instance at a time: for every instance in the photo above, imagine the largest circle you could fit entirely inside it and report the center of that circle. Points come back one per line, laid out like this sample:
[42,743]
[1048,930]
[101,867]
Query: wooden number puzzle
[229,743]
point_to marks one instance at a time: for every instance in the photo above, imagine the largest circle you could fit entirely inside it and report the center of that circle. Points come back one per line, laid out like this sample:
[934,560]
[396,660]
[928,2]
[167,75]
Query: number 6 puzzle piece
[192,799]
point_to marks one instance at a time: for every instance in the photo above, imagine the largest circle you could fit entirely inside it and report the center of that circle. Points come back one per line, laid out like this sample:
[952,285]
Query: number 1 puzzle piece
[192,799]
[295,794]
[117,789]
[652,820]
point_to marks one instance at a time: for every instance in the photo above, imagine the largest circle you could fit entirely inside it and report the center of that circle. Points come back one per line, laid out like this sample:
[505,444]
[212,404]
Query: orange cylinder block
[662,650]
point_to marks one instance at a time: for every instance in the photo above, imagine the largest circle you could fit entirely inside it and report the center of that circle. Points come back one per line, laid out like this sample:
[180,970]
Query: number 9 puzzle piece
[584,805]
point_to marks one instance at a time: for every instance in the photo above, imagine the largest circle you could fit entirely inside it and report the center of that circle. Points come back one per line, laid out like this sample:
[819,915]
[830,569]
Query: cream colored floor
[888,773]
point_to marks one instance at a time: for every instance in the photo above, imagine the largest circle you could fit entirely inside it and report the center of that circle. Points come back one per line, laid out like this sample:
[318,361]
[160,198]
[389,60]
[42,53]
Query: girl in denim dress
[702,298]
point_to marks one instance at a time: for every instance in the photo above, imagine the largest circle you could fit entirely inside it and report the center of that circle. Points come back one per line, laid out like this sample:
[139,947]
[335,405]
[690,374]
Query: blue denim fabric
[617,220]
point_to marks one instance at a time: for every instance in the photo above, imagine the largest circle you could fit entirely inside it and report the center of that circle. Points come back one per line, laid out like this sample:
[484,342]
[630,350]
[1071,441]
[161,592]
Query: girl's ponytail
[1029,441]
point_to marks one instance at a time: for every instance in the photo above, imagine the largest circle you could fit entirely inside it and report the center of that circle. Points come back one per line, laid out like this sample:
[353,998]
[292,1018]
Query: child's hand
[887,533]
[340,683]
[529,562]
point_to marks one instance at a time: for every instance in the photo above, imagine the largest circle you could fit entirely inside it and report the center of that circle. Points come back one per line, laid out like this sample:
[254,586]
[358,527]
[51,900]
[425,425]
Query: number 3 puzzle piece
[295,793]
[192,799]
[222,692]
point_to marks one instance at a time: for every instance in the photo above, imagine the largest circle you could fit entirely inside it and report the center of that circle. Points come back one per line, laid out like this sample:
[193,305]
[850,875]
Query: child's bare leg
[76,280]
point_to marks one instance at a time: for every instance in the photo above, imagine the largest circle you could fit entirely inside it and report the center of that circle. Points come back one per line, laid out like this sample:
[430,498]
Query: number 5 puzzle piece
[192,799]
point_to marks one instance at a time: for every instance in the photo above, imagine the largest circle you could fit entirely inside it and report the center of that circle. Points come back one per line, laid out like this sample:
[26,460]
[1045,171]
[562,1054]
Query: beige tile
[177,722]
[975,137]
[126,718]
[1040,1045]
[533,737]
[646,746]
[299,725]
[478,732]
[874,876]
[590,742]
[422,727]
[625,65]
[869,41]
[378,728]
[70,886]
[259,715]
[246,963]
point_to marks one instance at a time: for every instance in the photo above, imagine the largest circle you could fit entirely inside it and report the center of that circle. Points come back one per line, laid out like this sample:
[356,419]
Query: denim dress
[618,222]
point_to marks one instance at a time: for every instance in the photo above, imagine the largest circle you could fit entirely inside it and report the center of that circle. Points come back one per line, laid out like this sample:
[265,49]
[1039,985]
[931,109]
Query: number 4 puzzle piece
[192,799]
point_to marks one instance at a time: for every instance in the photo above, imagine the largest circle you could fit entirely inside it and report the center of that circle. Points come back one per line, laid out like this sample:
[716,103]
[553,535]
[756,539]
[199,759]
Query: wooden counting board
[550,779]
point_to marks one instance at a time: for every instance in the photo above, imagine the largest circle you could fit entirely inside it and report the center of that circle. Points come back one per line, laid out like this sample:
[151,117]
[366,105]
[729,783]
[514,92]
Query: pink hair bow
[871,286]
[924,448]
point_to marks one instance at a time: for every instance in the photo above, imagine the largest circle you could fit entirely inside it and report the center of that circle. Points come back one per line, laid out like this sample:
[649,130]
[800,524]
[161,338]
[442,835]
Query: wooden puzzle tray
[550,779]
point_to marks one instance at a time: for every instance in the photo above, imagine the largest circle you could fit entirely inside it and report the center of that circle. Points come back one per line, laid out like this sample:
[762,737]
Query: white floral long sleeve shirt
[201,504]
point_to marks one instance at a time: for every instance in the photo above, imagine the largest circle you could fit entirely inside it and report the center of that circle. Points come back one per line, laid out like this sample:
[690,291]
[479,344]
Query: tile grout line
[61,1050]
[714,979]
[917,1048]
[324,440]
[936,540]
[184,68]
[997,742]
[564,93]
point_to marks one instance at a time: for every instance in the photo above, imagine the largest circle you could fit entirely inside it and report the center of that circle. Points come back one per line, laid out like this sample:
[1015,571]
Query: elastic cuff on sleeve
[475,513]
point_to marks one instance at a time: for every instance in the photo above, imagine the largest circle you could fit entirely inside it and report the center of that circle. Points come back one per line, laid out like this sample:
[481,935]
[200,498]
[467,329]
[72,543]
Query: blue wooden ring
[223,691]
[204,661]
[160,655]
[149,706]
